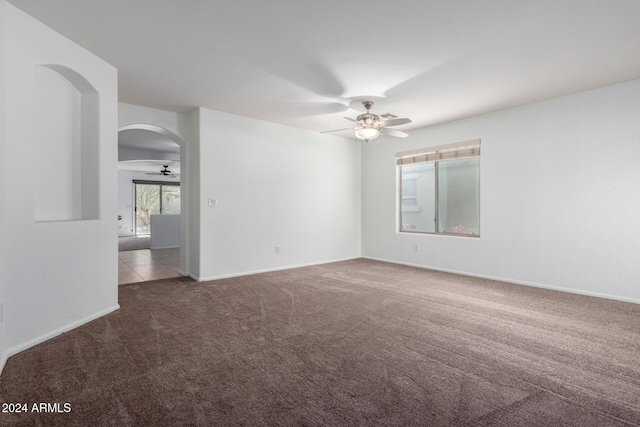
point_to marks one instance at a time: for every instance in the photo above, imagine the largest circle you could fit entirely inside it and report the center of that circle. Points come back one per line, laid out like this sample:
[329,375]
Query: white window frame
[434,155]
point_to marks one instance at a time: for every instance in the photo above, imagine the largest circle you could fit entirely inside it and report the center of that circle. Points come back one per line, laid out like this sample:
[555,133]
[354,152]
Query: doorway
[147,188]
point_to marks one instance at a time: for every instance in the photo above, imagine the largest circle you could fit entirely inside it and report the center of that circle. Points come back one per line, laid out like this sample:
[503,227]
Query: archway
[184,185]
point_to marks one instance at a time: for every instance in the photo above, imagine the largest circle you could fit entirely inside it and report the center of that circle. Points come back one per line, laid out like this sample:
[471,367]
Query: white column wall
[192,216]
[559,195]
[4,201]
[59,274]
[275,186]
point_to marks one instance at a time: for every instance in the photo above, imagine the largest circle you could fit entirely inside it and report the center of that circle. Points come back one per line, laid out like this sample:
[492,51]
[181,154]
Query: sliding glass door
[170,200]
[153,198]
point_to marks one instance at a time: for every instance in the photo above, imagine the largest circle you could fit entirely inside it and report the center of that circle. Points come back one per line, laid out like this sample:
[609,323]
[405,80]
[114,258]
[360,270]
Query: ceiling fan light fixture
[367,133]
[370,126]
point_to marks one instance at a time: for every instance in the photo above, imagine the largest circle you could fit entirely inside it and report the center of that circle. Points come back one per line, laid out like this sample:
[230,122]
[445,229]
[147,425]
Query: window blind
[441,152]
[142,181]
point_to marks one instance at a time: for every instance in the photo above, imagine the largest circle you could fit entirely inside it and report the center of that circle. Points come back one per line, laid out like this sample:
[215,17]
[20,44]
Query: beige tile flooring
[146,264]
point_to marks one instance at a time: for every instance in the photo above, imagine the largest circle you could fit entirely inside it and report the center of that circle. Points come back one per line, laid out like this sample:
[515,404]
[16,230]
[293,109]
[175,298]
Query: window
[440,189]
[154,198]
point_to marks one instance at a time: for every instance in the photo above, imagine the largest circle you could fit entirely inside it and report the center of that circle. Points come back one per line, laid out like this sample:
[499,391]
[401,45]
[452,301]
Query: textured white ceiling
[307,63]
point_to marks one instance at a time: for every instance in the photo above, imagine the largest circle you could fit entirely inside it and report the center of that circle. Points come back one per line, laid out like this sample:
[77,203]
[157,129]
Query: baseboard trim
[269,270]
[514,281]
[42,338]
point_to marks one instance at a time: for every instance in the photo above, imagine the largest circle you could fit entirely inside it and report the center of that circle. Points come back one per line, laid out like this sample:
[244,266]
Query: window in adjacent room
[153,198]
[439,189]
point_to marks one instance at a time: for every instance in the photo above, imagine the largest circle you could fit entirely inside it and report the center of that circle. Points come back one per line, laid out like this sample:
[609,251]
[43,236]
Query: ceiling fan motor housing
[368,119]
[370,126]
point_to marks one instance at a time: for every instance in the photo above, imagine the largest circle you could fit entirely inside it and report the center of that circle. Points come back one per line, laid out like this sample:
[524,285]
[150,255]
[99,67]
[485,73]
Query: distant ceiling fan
[164,172]
[370,125]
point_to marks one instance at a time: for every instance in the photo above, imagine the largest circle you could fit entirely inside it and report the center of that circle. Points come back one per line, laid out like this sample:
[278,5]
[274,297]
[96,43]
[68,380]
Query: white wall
[129,154]
[192,215]
[125,203]
[57,137]
[59,274]
[559,195]
[275,185]
[4,201]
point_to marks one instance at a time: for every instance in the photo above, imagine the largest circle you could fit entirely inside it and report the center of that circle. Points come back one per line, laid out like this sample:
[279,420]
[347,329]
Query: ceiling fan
[370,126]
[164,172]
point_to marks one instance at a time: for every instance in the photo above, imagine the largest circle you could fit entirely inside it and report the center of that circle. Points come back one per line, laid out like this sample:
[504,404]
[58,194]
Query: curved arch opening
[76,79]
[152,148]
[153,128]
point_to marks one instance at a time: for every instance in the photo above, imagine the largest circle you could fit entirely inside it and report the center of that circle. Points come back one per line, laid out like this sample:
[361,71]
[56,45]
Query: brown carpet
[350,343]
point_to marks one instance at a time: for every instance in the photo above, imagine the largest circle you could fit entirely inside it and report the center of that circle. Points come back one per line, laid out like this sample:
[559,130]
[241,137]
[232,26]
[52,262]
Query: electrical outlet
[277,250]
[213,203]
[416,248]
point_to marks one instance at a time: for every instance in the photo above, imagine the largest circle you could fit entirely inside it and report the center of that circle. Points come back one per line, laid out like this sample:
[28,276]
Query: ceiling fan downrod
[368,119]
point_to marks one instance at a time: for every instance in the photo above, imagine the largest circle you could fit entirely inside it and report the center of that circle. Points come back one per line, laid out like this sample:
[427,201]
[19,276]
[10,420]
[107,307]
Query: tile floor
[146,264]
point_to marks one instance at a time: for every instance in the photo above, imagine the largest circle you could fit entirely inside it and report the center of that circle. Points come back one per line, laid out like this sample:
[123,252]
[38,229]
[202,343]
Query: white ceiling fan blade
[395,122]
[336,130]
[375,122]
[393,132]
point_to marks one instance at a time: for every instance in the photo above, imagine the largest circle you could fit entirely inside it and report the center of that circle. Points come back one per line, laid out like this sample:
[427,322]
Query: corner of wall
[52,334]
[3,181]
[193,171]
